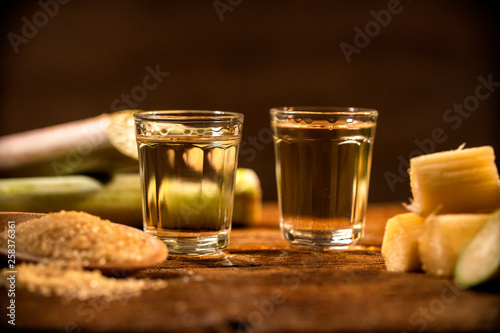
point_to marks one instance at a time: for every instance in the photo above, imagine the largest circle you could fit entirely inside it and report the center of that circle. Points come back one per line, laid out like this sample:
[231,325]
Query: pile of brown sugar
[69,241]
[79,237]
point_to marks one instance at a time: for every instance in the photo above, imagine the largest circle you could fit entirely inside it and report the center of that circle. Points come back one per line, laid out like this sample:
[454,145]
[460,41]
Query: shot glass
[323,160]
[188,162]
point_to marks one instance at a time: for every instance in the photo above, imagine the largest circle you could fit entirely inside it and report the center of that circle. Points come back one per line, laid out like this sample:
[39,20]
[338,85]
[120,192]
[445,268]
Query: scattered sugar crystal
[73,282]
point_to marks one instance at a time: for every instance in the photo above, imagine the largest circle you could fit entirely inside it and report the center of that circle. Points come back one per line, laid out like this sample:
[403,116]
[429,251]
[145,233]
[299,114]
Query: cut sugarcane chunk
[458,181]
[400,243]
[443,239]
[480,260]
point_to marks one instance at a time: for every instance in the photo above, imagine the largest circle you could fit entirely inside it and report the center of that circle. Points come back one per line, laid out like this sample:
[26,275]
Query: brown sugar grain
[67,241]
[73,282]
[79,237]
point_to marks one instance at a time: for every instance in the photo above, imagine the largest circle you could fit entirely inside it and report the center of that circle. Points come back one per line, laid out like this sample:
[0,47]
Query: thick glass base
[197,244]
[323,240]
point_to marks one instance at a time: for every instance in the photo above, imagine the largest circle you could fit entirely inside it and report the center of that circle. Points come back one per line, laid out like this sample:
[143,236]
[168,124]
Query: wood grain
[261,284]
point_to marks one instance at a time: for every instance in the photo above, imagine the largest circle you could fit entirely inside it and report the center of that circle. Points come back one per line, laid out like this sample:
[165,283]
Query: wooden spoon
[158,256]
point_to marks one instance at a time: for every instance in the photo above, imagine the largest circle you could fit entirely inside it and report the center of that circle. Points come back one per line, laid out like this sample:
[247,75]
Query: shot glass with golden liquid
[188,162]
[323,160]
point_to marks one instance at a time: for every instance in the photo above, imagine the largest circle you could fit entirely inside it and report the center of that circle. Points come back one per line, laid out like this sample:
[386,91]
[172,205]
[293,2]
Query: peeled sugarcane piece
[117,199]
[121,132]
[479,262]
[400,242]
[458,181]
[99,144]
[444,237]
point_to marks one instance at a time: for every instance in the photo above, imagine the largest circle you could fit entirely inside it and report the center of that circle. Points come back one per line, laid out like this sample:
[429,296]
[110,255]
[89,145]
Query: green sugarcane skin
[41,194]
[119,198]
[479,262]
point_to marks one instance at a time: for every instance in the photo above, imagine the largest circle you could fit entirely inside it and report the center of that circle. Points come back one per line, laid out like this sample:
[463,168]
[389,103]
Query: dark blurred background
[418,62]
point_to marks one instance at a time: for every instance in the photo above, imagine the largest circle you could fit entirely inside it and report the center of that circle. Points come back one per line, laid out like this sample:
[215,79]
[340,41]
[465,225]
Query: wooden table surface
[262,284]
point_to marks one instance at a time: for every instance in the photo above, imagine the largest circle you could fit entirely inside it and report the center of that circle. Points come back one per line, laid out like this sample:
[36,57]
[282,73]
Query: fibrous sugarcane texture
[458,181]
[443,239]
[400,243]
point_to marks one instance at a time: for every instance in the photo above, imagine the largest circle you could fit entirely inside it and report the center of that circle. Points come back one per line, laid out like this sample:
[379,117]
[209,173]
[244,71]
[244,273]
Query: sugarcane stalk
[118,198]
[101,144]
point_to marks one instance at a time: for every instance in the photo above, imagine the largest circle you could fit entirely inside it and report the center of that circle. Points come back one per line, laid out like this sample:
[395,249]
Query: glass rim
[319,110]
[188,115]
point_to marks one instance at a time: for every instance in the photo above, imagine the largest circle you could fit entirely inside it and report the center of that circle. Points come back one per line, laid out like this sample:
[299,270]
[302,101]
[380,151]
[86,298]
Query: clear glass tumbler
[188,162]
[323,161]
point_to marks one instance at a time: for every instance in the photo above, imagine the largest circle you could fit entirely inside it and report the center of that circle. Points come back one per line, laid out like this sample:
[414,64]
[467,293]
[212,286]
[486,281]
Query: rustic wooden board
[263,285]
